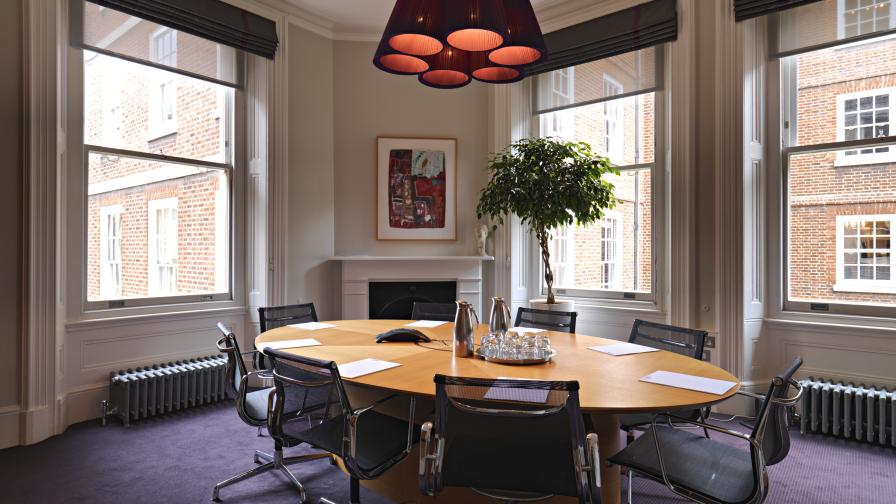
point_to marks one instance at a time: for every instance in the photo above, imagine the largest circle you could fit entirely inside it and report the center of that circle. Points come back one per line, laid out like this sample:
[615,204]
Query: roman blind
[638,27]
[747,9]
[827,23]
[606,58]
[213,20]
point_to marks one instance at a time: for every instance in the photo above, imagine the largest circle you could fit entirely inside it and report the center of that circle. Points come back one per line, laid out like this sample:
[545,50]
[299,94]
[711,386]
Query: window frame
[106,212]
[654,296]
[858,285]
[160,126]
[859,159]
[617,139]
[547,121]
[782,112]
[233,167]
[616,219]
[152,245]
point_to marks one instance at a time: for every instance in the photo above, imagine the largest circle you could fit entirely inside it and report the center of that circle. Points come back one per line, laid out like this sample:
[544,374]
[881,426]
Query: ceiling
[363,19]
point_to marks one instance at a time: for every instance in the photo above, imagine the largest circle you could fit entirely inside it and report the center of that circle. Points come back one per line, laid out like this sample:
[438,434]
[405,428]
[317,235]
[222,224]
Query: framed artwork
[416,189]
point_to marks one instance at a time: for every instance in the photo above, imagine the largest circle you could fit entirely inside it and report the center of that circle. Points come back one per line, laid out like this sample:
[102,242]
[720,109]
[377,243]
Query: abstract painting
[416,189]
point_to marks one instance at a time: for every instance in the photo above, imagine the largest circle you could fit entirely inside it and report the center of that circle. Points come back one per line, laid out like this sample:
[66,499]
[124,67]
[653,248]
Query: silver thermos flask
[499,320]
[464,329]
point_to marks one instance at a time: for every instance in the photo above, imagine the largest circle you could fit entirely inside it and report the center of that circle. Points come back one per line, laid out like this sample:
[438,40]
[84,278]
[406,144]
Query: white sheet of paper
[524,330]
[364,367]
[623,349]
[311,326]
[293,343]
[426,323]
[518,395]
[690,382]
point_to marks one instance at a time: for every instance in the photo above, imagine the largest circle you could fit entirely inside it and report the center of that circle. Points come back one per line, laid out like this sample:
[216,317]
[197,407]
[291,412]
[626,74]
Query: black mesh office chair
[367,441]
[252,407]
[679,340]
[272,317]
[512,440]
[708,471]
[434,311]
[546,319]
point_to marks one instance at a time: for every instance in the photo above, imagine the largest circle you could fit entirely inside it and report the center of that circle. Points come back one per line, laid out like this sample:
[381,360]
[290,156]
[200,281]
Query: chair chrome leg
[304,458]
[295,482]
[261,456]
[240,477]
[260,432]
[324,500]
[630,480]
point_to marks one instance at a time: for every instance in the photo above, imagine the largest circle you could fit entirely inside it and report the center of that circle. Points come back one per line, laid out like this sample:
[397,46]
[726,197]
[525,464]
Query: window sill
[865,288]
[161,132]
[836,324]
[867,159]
[588,303]
[90,320]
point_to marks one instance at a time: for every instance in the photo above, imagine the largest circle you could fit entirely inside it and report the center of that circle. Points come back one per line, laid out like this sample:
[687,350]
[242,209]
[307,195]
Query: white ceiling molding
[552,15]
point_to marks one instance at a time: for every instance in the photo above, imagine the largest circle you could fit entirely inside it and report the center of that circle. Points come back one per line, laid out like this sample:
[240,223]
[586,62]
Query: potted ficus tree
[547,183]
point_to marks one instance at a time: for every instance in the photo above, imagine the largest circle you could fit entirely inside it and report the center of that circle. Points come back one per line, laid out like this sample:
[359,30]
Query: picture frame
[416,189]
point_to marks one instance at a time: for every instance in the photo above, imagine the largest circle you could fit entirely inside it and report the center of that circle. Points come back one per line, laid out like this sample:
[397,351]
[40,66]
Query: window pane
[614,254]
[173,232]
[850,264]
[855,97]
[151,110]
[120,33]
[621,130]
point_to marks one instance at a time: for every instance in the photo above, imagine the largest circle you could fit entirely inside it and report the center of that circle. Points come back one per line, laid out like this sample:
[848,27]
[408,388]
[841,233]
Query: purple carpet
[179,458]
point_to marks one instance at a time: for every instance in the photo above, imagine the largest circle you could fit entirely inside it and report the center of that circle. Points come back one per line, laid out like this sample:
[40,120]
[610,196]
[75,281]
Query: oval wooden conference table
[609,385]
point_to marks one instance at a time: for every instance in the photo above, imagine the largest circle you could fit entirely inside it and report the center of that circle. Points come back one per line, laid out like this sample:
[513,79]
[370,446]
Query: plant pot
[560,305]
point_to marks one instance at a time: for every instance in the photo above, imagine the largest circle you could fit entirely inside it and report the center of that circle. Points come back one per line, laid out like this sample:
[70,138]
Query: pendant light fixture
[447,43]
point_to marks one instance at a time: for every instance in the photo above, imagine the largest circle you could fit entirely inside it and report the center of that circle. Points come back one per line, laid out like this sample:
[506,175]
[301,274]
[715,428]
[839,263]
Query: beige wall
[10,202]
[310,276]
[371,103]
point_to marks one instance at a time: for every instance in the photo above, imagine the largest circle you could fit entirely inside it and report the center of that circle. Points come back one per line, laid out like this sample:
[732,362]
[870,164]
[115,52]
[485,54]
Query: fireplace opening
[395,300]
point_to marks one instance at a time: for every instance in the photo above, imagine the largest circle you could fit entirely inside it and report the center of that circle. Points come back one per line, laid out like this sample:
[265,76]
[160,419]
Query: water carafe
[499,320]
[464,329]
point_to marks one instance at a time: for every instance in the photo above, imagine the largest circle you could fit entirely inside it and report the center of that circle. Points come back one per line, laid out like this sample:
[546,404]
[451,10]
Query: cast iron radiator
[135,394]
[863,413]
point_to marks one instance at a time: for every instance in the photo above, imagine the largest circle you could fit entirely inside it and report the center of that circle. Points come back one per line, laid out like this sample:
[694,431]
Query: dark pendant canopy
[449,42]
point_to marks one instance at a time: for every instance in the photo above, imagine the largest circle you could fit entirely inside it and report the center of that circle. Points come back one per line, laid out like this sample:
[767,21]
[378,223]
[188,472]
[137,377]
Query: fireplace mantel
[359,271]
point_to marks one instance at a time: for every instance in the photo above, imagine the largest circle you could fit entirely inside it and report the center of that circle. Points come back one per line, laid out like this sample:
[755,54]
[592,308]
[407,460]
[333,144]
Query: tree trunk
[542,235]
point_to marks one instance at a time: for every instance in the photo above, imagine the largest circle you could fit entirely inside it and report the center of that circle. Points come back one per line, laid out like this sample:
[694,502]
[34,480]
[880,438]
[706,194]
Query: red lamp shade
[476,25]
[448,69]
[486,71]
[415,27]
[388,60]
[524,42]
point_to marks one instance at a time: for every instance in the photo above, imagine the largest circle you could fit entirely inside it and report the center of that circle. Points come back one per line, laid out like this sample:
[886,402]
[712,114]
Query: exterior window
[110,252]
[612,120]
[838,176]
[163,97]
[163,242]
[561,248]
[614,256]
[610,253]
[562,89]
[863,116]
[860,17]
[864,250]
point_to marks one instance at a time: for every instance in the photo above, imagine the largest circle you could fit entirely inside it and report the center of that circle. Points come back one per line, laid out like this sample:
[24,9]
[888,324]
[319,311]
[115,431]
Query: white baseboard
[10,426]
[83,403]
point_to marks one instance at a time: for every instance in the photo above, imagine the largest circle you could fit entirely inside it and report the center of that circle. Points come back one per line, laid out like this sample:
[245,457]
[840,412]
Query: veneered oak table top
[608,384]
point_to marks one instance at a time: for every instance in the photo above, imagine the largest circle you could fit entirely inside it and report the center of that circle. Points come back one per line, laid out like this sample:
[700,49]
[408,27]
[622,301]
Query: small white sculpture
[481,237]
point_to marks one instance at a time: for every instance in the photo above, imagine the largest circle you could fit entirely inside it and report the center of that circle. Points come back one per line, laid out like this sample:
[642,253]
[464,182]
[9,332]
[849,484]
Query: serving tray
[517,362]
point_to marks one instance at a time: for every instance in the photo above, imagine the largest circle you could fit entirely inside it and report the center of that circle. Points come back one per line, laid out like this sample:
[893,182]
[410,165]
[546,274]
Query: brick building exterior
[154,228]
[843,204]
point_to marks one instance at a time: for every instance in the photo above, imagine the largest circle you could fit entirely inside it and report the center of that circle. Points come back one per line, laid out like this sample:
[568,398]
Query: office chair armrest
[757,459]
[782,401]
[356,416]
[429,460]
